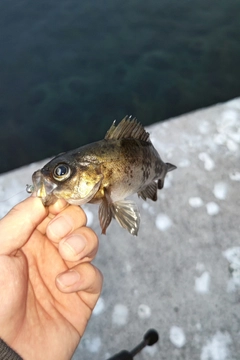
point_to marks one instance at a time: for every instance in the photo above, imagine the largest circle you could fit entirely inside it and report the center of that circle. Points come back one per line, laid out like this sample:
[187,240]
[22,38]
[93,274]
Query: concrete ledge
[175,275]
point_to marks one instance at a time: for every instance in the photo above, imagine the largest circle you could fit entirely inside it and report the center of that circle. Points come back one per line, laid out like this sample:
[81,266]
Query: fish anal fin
[127,215]
[128,128]
[105,215]
[160,184]
[149,191]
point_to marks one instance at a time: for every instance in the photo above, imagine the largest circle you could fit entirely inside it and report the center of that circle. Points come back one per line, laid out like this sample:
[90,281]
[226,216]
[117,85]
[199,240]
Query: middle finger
[80,246]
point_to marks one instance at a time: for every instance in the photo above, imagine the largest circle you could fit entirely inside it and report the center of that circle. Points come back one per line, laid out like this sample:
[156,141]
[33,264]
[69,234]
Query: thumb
[18,225]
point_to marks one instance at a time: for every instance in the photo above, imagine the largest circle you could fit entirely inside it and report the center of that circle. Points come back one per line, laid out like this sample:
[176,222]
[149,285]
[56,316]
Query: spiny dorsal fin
[127,128]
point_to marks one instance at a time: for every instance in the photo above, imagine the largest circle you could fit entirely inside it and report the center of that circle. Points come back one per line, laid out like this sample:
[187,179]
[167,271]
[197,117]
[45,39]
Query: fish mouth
[44,188]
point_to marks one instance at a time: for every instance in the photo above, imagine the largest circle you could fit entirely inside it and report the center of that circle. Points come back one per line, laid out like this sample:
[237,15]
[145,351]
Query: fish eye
[61,172]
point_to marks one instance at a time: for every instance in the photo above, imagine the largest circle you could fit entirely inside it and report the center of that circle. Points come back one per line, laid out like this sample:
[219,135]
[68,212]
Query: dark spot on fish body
[128,170]
[131,150]
[110,173]
[146,173]
[102,152]
[146,165]
[107,171]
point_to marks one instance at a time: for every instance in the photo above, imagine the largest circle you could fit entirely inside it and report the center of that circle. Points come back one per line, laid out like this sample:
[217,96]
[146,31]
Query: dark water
[68,68]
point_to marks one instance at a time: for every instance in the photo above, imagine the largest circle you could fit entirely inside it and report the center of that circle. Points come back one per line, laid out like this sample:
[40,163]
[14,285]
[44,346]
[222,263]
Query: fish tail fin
[170,167]
[149,191]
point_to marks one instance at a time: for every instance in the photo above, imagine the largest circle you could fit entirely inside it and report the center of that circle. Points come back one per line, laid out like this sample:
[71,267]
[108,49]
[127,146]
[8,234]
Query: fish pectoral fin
[127,215]
[105,215]
[149,191]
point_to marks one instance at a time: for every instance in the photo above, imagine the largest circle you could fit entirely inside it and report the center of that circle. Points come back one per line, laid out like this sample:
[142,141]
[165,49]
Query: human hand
[48,286]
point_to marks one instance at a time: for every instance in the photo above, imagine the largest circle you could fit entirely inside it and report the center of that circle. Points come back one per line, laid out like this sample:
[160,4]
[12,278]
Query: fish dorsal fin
[127,128]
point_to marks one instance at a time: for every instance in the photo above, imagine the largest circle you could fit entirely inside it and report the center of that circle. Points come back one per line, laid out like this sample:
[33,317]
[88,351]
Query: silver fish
[106,172]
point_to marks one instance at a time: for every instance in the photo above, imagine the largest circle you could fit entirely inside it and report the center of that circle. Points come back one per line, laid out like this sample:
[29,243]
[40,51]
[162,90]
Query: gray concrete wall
[175,276]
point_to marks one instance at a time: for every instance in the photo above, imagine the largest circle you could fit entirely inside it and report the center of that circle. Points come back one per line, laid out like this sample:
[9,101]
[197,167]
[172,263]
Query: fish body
[106,172]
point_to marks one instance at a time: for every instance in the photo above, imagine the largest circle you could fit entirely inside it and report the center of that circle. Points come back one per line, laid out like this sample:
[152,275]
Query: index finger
[53,210]
[18,225]
[64,223]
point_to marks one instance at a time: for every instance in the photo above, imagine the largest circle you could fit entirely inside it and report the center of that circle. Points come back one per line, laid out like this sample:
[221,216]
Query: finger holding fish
[65,228]
[65,223]
[80,246]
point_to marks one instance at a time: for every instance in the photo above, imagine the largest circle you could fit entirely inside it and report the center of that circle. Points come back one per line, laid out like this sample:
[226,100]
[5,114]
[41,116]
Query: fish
[106,172]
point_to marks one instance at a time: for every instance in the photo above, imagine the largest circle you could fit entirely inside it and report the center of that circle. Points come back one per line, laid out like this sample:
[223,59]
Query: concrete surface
[181,274]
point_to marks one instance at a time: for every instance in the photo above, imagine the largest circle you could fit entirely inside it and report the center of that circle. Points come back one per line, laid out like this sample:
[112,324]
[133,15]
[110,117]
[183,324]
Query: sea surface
[68,68]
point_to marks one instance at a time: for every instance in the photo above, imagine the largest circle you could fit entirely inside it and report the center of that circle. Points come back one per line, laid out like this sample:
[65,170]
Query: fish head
[65,178]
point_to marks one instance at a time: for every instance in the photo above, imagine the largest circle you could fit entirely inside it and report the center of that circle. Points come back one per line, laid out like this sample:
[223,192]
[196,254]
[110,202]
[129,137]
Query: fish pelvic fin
[105,215]
[128,128]
[149,191]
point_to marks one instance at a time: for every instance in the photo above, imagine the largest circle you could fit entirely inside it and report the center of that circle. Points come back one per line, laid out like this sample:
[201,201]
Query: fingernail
[68,278]
[60,227]
[75,243]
